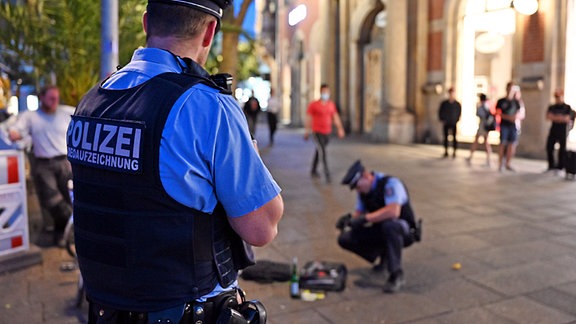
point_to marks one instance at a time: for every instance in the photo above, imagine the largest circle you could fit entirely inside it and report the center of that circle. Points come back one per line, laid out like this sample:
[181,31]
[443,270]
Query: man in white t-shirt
[47,127]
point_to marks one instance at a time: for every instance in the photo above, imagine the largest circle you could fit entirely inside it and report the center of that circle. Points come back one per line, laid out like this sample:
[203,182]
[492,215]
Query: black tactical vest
[374,200]
[139,249]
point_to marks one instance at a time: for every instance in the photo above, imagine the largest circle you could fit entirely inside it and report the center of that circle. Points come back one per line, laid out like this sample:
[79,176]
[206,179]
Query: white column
[109,38]
[396,36]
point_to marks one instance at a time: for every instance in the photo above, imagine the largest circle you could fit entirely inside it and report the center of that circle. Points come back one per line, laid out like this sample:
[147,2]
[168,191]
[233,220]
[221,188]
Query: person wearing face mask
[321,115]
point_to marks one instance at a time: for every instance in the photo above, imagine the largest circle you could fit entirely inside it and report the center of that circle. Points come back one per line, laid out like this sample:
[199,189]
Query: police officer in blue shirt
[382,224]
[170,192]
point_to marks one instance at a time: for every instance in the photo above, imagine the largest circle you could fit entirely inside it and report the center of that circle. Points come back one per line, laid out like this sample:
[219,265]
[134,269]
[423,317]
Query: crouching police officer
[170,192]
[382,224]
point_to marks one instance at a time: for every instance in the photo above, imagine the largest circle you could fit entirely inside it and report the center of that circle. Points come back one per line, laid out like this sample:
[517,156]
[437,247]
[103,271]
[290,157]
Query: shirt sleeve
[242,181]
[207,156]
[394,192]
[22,124]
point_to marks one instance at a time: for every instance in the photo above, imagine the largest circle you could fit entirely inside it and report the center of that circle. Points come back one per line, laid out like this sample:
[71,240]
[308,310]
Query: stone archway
[371,85]
[380,108]
[472,67]
[358,37]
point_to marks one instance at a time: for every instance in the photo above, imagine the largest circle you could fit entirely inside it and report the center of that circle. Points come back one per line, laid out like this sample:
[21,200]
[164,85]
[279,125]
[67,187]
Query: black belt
[194,312]
[54,158]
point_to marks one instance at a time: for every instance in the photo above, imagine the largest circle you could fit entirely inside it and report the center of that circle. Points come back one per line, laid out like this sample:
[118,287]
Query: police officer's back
[162,202]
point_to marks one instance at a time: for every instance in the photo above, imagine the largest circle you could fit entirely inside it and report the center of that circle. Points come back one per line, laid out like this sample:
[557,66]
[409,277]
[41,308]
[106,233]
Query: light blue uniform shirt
[394,192]
[206,152]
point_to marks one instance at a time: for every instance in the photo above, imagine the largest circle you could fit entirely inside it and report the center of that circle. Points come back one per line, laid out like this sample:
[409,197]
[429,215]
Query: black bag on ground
[267,272]
[320,275]
[570,163]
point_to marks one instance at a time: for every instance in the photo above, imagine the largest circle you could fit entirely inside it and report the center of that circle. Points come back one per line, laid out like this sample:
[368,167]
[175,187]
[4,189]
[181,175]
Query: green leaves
[60,39]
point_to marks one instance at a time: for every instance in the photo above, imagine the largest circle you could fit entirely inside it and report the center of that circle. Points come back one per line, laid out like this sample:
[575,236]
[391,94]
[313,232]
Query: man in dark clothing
[561,115]
[449,114]
[251,110]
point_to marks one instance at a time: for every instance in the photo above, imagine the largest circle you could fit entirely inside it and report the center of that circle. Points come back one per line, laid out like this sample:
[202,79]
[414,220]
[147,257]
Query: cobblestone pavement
[512,232]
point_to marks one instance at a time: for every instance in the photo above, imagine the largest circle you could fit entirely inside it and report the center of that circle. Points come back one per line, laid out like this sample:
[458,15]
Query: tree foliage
[58,42]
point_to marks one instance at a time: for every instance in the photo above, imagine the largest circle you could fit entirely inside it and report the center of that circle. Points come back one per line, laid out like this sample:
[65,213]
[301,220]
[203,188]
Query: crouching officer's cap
[353,175]
[212,7]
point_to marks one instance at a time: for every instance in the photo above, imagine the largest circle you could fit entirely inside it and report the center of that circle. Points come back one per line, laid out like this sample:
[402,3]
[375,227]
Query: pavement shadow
[368,278]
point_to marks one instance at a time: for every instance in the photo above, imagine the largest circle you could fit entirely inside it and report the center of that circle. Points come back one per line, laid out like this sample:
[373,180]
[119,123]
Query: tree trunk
[229,62]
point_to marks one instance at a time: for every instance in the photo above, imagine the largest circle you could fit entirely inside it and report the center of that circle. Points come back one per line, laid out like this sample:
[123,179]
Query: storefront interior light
[525,7]
[297,15]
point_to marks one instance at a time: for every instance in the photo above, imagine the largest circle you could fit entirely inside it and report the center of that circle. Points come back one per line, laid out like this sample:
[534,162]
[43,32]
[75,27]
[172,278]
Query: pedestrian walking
[486,124]
[272,114]
[321,115]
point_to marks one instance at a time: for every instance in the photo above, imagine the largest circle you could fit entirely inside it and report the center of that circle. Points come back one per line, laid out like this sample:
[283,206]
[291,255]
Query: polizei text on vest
[105,143]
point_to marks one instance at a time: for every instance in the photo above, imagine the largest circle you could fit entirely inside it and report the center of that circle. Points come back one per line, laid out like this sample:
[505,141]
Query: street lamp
[525,7]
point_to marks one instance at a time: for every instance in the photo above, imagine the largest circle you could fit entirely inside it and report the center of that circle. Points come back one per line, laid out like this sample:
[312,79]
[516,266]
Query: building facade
[389,62]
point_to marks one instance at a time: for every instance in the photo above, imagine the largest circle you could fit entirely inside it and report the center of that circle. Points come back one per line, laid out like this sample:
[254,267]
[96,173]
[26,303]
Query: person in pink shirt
[321,115]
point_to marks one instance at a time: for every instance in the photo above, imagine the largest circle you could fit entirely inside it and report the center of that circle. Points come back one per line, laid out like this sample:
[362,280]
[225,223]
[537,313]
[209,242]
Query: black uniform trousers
[385,239]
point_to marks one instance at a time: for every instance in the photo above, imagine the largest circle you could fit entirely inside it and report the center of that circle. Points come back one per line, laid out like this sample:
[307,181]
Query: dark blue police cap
[353,175]
[212,7]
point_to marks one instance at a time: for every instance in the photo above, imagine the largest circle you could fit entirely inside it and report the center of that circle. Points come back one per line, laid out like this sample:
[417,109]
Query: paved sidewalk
[513,233]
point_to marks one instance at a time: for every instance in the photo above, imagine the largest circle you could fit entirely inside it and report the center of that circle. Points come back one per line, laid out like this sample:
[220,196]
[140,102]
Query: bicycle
[70,246]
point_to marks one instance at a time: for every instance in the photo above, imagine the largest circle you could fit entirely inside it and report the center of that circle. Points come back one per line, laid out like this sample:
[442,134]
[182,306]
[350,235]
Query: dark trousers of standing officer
[385,239]
[320,141]
[556,136]
[450,129]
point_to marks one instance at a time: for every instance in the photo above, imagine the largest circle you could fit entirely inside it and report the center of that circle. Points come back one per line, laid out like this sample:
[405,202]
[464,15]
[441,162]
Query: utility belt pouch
[224,309]
[242,253]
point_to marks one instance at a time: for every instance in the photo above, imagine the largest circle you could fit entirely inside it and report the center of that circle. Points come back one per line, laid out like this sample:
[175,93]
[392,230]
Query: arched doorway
[371,51]
[485,63]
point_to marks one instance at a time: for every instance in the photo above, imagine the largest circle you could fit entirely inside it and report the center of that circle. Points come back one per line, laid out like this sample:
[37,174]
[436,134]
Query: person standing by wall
[321,115]
[561,115]
[165,215]
[47,129]
[511,112]
[272,114]
[449,114]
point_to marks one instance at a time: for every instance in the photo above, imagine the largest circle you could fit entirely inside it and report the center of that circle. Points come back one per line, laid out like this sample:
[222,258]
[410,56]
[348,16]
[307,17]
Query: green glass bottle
[295,280]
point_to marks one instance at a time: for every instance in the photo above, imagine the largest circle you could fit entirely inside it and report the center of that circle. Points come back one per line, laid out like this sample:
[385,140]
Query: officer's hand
[306,135]
[359,221]
[255,143]
[344,221]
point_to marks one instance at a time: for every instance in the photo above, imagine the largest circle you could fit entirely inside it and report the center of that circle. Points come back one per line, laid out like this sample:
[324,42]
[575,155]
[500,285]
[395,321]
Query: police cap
[353,175]
[212,7]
